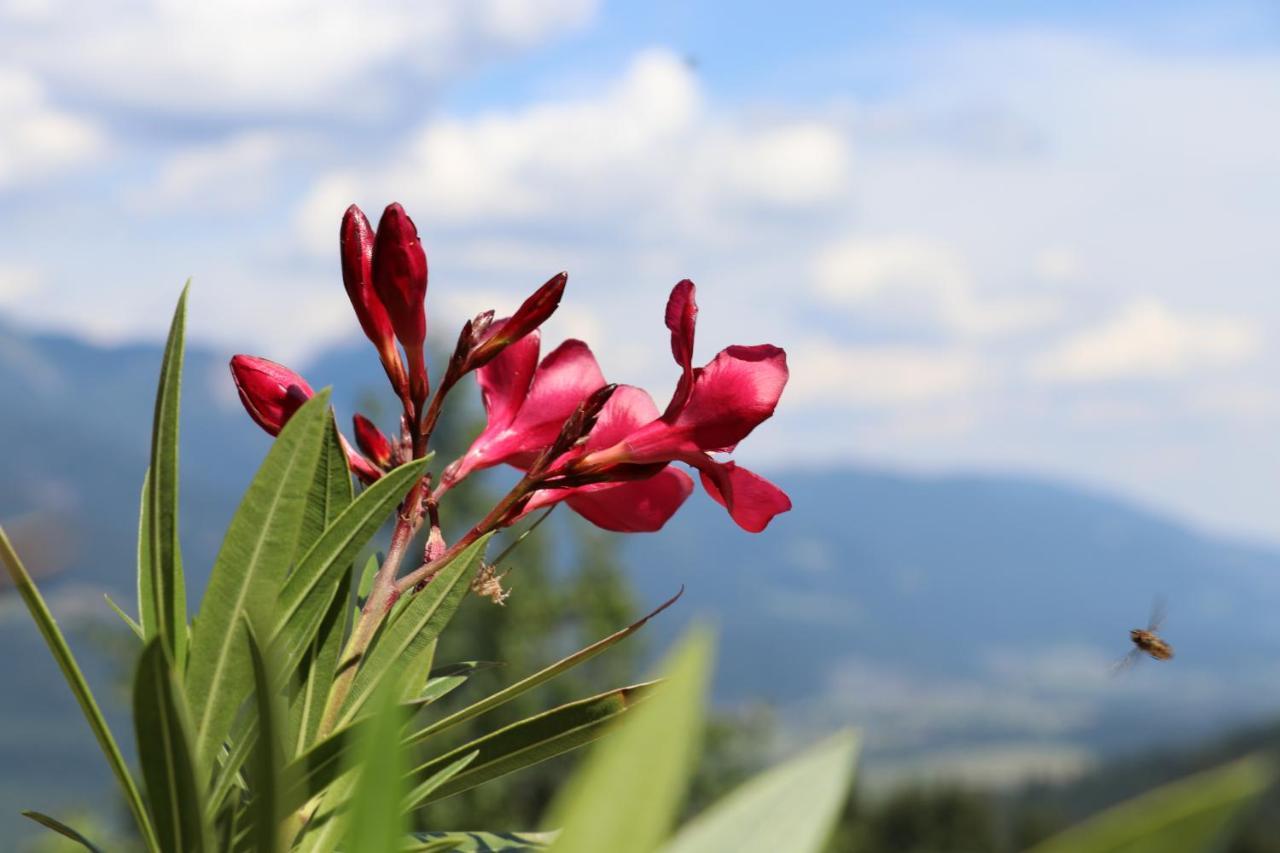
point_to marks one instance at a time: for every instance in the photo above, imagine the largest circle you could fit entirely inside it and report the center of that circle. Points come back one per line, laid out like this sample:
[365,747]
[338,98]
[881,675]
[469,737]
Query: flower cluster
[604,449]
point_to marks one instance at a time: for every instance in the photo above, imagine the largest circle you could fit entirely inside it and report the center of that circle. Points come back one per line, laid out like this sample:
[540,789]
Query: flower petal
[504,382]
[752,500]
[640,506]
[733,395]
[681,319]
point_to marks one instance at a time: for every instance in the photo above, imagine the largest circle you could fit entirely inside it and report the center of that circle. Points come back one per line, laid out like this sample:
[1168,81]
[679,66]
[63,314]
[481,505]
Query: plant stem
[382,595]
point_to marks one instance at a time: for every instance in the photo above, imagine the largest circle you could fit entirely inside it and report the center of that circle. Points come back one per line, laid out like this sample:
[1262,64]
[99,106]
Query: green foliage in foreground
[256,734]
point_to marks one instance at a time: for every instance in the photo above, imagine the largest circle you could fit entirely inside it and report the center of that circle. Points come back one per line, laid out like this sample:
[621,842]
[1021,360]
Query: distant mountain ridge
[972,617]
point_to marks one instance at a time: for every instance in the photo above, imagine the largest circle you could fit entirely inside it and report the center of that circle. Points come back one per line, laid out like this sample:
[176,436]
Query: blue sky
[1036,239]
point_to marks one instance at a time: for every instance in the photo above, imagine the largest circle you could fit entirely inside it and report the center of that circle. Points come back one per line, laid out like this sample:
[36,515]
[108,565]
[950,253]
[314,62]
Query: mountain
[965,622]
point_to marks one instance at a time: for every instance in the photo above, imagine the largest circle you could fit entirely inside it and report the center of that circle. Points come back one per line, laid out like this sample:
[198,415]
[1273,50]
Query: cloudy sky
[1033,241]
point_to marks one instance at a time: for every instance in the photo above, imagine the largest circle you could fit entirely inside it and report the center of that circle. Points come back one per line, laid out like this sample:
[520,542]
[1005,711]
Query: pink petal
[681,318]
[627,410]
[504,382]
[641,506]
[732,395]
[566,377]
[752,500]
[525,415]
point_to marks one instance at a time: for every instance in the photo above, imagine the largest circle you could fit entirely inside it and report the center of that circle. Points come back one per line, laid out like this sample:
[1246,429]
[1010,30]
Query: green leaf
[79,687]
[443,680]
[318,668]
[1187,816]
[532,740]
[165,753]
[310,589]
[436,779]
[478,842]
[265,811]
[248,572]
[792,807]
[125,617]
[162,600]
[542,676]
[376,821]
[330,494]
[331,490]
[411,630]
[62,829]
[629,789]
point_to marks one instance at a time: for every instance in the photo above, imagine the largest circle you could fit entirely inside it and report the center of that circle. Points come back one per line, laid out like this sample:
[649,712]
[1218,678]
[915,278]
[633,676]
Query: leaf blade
[162,605]
[647,760]
[166,755]
[791,807]
[249,569]
[1181,817]
[528,683]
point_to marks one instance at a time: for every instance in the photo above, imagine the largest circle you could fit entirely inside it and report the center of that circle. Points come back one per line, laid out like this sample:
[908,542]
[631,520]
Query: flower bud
[271,392]
[531,314]
[371,440]
[399,267]
[355,242]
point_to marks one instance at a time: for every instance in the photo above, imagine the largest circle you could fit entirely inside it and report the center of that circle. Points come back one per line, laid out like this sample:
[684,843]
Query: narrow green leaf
[647,760]
[128,620]
[248,571]
[62,829]
[532,740]
[164,751]
[162,605]
[318,668]
[1187,816]
[411,630]
[310,588]
[79,687]
[265,811]
[478,842]
[436,779]
[330,492]
[376,821]
[542,676]
[792,807]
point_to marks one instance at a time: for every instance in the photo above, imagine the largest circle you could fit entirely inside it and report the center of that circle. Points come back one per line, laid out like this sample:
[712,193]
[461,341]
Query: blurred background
[1022,259]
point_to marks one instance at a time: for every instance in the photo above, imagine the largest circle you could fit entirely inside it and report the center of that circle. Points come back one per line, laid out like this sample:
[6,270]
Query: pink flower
[713,408]
[355,244]
[399,272]
[271,392]
[527,402]
[637,506]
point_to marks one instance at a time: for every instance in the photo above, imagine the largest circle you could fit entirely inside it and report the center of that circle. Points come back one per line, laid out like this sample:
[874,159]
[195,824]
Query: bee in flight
[1146,641]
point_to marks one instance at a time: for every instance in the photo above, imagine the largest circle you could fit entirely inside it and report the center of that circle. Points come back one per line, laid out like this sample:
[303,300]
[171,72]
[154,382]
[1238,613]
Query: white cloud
[830,373]
[269,56]
[17,283]
[645,154]
[1149,341]
[234,173]
[911,280]
[36,137]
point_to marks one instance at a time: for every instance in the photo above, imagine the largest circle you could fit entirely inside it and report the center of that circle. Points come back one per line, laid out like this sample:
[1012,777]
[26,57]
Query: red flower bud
[355,243]
[271,392]
[371,440]
[531,314]
[400,280]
